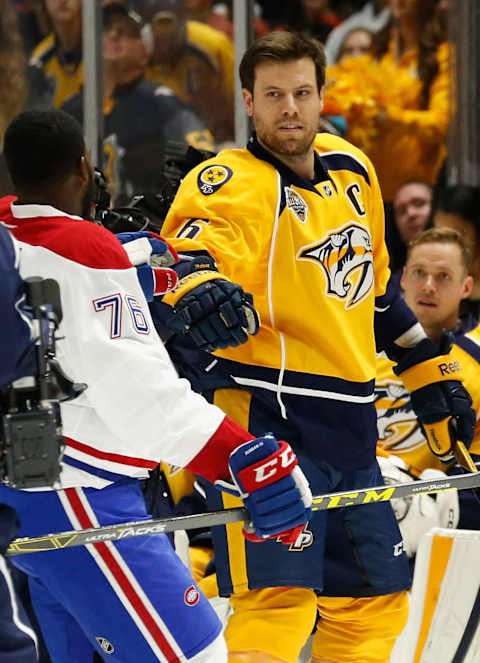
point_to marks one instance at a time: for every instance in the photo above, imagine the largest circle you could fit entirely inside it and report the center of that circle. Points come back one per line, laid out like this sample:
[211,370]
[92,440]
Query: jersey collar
[31,211]
[321,174]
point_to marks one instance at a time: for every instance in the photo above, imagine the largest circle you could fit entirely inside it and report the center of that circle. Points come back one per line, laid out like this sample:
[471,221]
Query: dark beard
[279,147]
[284,148]
[88,196]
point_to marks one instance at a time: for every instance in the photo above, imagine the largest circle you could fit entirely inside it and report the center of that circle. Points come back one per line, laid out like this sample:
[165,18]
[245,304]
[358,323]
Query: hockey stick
[214,518]
[464,459]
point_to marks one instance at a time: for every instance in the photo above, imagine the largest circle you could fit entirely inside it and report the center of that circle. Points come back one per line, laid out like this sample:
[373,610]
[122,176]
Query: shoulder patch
[210,179]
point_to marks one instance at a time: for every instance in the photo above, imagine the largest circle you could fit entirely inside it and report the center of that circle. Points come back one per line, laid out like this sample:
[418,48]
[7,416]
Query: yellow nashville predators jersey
[398,429]
[305,250]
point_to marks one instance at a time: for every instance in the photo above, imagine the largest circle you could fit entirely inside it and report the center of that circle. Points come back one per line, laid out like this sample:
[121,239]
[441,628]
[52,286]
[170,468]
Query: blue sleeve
[17,355]
[393,319]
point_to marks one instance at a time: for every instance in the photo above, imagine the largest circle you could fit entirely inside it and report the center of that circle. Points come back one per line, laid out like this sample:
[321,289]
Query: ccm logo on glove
[279,464]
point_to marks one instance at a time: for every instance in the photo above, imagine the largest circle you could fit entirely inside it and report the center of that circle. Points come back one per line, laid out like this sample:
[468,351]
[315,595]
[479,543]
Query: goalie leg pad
[444,591]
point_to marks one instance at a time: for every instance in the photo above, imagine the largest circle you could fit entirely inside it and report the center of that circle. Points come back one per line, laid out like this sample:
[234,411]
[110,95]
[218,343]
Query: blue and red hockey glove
[153,257]
[266,476]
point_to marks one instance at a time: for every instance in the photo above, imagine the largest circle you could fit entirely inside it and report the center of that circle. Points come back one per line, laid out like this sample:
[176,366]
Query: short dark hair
[463,200]
[41,147]
[443,236]
[281,47]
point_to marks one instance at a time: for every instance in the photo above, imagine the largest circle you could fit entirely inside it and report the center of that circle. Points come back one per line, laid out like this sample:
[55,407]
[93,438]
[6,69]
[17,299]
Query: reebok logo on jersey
[346,256]
[212,178]
[106,646]
[296,203]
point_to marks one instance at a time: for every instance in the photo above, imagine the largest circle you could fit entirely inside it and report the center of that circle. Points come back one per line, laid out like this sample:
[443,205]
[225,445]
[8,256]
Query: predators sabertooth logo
[347,259]
[398,427]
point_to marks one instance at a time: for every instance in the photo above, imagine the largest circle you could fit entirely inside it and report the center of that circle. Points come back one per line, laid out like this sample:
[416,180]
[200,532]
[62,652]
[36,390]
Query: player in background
[109,597]
[296,218]
[436,280]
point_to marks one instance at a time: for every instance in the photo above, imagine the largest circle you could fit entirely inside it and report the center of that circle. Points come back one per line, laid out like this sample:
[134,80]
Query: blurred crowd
[168,74]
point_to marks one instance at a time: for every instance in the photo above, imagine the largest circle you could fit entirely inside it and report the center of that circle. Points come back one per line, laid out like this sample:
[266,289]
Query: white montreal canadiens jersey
[135,411]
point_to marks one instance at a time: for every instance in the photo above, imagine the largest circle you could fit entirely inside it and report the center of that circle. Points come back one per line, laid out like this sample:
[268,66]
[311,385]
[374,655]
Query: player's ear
[402,278]
[83,168]
[248,101]
[467,287]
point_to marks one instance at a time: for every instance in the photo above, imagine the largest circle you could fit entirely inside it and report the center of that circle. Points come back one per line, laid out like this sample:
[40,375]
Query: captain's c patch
[212,178]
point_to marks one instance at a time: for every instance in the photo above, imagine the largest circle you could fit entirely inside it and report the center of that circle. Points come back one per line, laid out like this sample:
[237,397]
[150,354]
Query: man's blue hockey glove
[442,405]
[153,258]
[210,309]
[266,476]
[216,314]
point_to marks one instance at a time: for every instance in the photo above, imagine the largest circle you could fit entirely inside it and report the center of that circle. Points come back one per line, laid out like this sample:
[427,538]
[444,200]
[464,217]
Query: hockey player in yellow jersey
[436,279]
[296,219]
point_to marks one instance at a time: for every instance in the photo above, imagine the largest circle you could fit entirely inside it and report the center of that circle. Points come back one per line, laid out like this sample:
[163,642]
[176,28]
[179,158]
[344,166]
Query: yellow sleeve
[220,223]
[431,123]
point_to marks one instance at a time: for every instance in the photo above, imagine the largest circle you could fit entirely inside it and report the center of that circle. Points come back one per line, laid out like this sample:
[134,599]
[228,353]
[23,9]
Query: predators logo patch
[347,259]
[212,178]
[398,427]
[296,203]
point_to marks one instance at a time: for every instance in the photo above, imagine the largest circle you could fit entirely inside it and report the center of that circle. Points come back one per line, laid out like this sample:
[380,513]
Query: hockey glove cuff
[442,405]
[153,258]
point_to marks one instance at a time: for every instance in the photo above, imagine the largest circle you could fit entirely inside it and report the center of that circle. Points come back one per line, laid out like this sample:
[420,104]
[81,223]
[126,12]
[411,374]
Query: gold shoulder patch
[211,178]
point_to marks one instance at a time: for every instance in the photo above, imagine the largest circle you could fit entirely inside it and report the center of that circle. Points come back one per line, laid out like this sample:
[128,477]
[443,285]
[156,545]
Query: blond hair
[443,236]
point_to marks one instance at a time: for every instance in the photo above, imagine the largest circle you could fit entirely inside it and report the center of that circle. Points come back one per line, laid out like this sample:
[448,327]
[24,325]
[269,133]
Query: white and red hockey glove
[266,476]
[153,257]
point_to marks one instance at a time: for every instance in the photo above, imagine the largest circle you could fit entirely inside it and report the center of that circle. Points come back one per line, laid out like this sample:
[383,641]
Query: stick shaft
[215,518]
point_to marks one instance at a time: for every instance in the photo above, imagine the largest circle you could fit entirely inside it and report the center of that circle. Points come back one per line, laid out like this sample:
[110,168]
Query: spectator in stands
[60,53]
[412,207]
[13,83]
[34,23]
[21,86]
[372,17]
[412,124]
[194,60]
[458,207]
[139,115]
[218,15]
[356,43]
[313,18]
